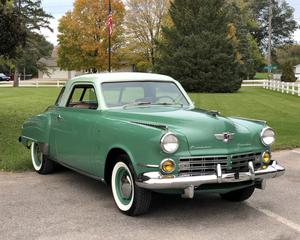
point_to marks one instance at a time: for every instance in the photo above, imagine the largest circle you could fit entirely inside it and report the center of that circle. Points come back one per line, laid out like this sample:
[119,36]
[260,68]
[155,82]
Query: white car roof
[121,76]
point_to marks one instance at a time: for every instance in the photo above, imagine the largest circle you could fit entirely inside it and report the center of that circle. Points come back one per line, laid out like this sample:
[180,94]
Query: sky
[57,8]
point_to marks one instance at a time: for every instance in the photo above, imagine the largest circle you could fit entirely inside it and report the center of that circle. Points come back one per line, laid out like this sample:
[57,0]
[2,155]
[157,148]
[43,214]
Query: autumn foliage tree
[83,35]
[144,21]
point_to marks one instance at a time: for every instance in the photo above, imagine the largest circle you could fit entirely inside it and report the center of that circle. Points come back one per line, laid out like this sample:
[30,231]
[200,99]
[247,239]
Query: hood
[203,130]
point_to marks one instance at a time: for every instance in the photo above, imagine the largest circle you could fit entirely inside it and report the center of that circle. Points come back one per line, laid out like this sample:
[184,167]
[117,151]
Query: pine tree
[288,74]
[199,49]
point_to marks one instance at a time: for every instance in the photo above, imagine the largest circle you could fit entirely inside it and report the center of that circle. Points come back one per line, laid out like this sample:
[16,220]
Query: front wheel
[129,198]
[239,195]
[41,163]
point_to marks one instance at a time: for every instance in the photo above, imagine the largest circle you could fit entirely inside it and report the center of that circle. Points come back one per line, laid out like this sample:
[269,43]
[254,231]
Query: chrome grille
[206,165]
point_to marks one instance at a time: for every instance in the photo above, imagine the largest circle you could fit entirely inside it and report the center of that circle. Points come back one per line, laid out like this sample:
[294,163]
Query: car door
[73,127]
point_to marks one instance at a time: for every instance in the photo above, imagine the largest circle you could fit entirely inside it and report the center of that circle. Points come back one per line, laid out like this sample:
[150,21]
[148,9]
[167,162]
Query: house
[53,71]
[297,71]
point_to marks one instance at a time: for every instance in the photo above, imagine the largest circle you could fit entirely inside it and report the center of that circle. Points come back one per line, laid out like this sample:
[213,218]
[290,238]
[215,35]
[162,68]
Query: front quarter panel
[140,142]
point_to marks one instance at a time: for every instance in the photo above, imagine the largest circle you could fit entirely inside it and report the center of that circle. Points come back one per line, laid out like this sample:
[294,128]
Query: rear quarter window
[58,100]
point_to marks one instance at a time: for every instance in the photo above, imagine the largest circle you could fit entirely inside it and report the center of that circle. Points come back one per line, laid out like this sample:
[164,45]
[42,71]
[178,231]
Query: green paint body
[84,138]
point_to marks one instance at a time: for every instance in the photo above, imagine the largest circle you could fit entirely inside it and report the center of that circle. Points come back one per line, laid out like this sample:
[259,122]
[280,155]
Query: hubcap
[124,186]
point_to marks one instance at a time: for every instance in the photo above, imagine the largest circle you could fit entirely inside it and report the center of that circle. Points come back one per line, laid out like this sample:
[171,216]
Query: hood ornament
[225,137]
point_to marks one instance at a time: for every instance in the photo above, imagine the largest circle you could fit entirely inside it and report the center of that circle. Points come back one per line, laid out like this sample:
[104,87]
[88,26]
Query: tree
[199,48]
[249,54]
[288,53]
[283,22]
[12,30]
[288,74]
[83,35]
[36,48]
[21,20]
[144,20]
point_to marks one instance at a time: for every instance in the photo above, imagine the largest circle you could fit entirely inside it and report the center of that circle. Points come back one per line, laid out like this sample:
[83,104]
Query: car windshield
[2,75]
[135,93]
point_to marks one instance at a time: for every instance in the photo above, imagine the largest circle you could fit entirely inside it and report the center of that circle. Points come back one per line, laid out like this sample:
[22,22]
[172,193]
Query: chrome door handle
[59,117]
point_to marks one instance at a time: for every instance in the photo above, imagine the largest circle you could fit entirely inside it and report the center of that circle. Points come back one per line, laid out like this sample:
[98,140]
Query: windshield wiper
[132,104]
[168,104]
[152,104]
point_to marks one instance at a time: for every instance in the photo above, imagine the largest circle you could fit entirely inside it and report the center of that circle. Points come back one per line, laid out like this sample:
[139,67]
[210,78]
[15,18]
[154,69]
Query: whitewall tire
[40,162]
[122,179]
[129,198]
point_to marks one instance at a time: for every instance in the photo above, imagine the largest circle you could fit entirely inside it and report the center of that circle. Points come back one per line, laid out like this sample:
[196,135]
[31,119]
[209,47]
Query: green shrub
[288,74]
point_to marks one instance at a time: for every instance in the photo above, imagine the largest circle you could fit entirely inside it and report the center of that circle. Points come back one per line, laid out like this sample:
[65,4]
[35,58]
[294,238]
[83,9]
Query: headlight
[167,166]
[169,143]
[267,136]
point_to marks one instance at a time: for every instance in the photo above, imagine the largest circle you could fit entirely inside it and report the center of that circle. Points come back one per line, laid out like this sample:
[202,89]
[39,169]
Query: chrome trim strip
[250,119]
[147,165]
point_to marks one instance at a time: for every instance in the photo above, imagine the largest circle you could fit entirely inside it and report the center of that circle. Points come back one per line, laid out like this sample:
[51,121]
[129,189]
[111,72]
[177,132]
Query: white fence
[253,83]
[36,83]
[284,87]
[59,83]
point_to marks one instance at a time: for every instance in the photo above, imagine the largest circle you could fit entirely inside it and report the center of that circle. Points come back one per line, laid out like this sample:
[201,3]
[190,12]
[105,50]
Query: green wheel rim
[123,186]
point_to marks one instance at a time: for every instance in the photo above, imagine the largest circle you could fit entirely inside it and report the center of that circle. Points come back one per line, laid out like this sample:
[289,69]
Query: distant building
[53,71]
[297,71]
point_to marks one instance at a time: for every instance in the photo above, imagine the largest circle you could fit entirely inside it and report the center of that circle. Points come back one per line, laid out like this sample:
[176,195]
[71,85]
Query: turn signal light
[266,158]
[167,166]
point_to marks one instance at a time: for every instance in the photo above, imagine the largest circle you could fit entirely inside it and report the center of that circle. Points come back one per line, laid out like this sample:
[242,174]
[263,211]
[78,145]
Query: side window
[84,97]
[90,95]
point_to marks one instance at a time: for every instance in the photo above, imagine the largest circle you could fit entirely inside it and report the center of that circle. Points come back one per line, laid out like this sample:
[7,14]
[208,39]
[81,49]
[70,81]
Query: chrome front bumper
[155,180]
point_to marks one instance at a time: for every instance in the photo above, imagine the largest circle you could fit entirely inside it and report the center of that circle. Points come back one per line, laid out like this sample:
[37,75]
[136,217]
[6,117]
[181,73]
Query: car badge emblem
[225,137]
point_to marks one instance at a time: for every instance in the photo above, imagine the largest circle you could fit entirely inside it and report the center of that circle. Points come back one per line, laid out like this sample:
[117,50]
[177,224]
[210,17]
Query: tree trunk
[16,77]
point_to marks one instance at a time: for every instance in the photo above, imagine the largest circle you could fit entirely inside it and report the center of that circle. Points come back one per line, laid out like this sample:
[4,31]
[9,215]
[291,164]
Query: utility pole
[109,34]
[270,40]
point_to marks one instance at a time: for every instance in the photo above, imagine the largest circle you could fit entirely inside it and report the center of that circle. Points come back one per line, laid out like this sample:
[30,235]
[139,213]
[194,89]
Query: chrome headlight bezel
[163,143]
[262,137]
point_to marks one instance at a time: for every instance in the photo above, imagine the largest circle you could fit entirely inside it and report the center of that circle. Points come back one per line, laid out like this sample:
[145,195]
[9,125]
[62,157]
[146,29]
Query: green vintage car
[141,133]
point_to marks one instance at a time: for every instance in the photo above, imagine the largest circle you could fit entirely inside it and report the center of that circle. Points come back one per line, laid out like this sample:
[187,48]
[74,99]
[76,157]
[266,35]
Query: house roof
[50,61]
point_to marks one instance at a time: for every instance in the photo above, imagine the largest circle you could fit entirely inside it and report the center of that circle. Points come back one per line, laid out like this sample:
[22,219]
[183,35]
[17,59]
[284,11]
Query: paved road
[67,205]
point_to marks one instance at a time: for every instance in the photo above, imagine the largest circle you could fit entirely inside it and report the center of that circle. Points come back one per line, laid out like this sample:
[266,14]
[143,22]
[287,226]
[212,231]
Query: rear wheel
[129,198]
[239,195]
[40,161]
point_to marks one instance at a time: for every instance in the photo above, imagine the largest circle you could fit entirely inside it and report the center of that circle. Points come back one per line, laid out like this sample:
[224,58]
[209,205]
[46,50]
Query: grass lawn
[261,75]
[282,112]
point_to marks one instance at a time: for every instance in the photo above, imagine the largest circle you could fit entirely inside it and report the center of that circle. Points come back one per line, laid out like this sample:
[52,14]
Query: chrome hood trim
[154,125]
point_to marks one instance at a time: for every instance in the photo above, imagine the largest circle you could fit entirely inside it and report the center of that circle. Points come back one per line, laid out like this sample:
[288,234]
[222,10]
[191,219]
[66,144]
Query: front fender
[142,144]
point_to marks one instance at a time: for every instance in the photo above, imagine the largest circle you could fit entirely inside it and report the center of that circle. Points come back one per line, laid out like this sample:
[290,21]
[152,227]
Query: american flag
[110,22]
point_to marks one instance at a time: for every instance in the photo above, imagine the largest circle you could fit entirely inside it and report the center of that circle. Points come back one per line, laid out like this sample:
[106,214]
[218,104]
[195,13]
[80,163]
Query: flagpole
[109,40]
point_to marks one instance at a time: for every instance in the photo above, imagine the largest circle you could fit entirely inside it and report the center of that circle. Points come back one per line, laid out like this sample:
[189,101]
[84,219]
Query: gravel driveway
[67,205]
